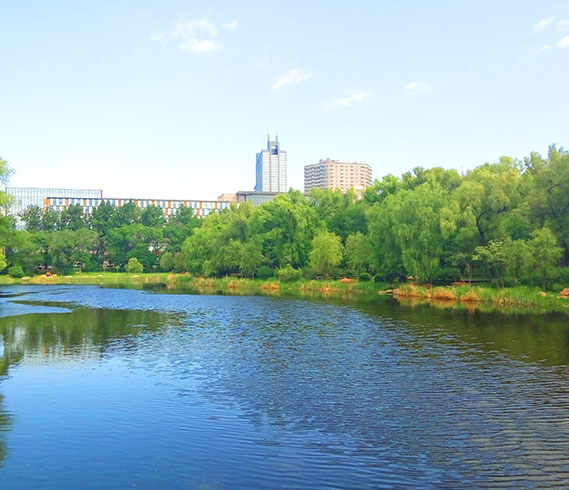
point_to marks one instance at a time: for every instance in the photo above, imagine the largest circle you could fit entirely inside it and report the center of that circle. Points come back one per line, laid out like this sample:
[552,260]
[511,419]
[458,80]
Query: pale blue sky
[174,98]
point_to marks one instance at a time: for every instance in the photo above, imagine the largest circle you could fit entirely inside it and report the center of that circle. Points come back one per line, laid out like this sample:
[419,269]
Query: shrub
[446,275]
[167,261]
[288,274]
[365,277]
[264,272]
[16,271]
[134,266]
[378,278]
[562,276]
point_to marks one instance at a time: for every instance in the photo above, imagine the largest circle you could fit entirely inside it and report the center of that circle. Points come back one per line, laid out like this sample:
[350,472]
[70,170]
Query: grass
[483,297]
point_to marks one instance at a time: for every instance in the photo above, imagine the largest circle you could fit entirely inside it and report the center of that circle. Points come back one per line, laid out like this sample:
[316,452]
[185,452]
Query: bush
[16,271]
[264,272]
[365,277]
[167,261]
[378,278]
[562,276]
[446,275]
[288,274]
[134,266]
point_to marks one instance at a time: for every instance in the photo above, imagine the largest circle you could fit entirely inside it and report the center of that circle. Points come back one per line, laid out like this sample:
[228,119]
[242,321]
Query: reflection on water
[236,392]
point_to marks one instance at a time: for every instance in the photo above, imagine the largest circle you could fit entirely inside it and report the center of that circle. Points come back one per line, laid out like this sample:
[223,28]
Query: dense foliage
[507,222]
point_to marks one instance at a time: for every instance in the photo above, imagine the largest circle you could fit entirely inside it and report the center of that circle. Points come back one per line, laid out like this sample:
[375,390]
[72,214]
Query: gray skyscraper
[271,168]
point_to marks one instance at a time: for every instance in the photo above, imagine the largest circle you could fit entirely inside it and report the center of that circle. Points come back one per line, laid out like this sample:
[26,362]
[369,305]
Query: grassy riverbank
[226,284]
[515,299]
[457,297]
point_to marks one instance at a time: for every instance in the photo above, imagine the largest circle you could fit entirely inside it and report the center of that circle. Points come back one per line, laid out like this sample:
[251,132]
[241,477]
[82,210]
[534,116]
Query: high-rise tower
[270,169]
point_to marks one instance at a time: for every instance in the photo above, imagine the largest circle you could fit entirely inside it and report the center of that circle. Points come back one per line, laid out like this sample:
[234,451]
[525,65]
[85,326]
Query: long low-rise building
[89,199]
[169,206]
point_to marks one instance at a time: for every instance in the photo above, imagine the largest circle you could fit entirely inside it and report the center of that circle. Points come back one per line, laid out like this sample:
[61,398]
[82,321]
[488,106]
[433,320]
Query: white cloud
[261,61]
[349,100]
[542,24]
[544,48]
[562,25]
[416,88]
[290,77]
[190,28]
[231,26]
[563,43]
[199,46]
[195,36]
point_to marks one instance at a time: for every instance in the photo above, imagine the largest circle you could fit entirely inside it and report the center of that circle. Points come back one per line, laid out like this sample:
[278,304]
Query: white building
[271,168]
[332,174]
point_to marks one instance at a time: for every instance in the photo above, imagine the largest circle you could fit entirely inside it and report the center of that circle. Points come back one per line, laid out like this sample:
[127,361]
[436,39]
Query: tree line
[507,222]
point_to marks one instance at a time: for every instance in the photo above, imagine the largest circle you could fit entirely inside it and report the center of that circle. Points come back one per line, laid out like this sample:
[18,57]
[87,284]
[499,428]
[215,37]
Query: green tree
[549,194]
[135,240]
[153,216]
[518,259]
[286,227]
[32,218]
[546,254]
[178,262]
[251,257]
[27,250]
[494,257]
[486,195]
[134,266]
[71,218]
[179,227]
[412,228]
[67,247]
[167,261]
[50,219]
[359,253]
[126,214]
[326,252]
[6,222]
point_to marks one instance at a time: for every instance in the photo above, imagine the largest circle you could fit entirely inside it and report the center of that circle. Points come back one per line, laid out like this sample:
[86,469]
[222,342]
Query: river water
[115,388]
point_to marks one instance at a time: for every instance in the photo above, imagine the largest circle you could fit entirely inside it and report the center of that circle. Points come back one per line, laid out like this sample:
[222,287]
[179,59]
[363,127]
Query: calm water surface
[111,388]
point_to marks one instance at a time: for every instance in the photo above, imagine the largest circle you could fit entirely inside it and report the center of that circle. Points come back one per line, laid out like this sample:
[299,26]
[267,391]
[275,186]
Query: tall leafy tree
[71,218]
[359,252]
[326,253]
[32,218]
[153,216]
[546,254]
[549,195]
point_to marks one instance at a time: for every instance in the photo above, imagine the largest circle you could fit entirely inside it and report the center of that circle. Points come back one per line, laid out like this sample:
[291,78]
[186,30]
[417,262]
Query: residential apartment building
[270,168]
[332,174]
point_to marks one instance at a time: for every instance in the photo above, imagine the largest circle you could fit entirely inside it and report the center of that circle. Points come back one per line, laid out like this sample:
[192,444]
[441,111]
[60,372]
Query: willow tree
[549,196]
[5,222]
[326,253]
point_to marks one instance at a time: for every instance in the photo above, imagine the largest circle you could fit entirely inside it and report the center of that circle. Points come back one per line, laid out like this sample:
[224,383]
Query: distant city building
[228,196]
[169,206]
[90,199]
[23,197]
[331,174]
[270,170]
[256,198]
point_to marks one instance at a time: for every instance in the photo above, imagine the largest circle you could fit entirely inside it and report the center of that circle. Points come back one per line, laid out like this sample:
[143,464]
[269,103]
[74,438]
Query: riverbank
[514,299]
[225,284]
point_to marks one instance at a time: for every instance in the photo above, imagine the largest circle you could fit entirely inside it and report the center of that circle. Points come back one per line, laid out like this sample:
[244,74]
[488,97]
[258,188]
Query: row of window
[143,203]
[87,210]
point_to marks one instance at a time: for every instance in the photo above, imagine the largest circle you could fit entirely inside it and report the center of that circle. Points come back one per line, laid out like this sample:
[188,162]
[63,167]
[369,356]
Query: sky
[173,99]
